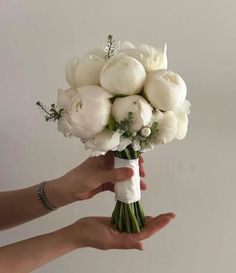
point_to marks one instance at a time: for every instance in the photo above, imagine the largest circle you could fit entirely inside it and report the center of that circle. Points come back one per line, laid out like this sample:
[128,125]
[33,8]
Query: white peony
[89,111]
[182,116]
[141,109]
[150,57]
[156,116]
[123,75]
[85,71]
[167,128]
[64,98]
[165,89]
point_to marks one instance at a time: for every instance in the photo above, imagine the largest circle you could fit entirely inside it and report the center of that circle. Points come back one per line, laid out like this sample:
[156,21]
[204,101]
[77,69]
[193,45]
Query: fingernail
[171,215]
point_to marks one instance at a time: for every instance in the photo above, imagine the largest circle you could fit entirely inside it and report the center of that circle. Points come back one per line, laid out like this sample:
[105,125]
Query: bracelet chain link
[43,198]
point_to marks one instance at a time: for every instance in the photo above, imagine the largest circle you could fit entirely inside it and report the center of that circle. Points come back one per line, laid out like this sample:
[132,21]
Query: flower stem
[128,217]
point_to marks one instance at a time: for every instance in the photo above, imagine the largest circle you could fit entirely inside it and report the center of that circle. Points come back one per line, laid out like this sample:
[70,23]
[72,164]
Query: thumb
[115,175]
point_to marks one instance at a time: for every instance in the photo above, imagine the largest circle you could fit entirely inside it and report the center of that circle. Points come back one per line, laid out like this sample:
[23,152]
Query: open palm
[98,232]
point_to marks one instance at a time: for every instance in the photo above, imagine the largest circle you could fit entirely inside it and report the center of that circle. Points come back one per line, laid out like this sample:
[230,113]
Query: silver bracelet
[43,198]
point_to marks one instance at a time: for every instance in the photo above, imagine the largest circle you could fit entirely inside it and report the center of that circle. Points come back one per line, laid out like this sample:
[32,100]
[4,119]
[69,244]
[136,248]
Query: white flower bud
[165,90]
[141,109]
[123,75]
[86,70]
[136,145]
[146,131]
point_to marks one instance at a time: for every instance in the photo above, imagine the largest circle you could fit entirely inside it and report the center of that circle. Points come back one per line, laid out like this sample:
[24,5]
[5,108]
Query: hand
[94,175]
[98,232]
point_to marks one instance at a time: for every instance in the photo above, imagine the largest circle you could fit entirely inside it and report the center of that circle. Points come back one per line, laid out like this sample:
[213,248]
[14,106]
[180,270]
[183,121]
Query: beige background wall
[195,177]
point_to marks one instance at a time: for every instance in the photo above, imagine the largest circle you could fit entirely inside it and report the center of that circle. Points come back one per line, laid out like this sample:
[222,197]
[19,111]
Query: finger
[141,170]
[141,159]
[148,219]
[108,186]
[155,225]
[109,160]
[143,185]
[116,175]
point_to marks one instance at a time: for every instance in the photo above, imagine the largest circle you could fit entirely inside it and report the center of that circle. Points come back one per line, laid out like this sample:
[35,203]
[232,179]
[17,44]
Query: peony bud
[141,109]
[123,75]
[85,71]
[165,90]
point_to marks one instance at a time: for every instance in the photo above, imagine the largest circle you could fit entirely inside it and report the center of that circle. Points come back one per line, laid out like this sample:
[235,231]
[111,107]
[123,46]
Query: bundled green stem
[128,217]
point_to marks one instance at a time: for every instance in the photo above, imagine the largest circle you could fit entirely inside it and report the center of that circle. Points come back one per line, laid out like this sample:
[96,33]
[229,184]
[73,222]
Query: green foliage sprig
[50,114]
[110,47]
[124,125]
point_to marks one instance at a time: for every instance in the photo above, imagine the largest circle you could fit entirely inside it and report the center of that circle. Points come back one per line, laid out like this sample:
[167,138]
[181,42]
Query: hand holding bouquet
[122,98]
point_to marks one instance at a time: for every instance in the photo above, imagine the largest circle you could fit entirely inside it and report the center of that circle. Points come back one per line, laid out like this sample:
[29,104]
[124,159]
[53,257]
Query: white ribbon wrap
[128,191]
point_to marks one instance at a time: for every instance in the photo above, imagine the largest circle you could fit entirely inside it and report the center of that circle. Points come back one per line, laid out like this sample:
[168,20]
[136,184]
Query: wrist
[72,235]
[58,192]
[65,239]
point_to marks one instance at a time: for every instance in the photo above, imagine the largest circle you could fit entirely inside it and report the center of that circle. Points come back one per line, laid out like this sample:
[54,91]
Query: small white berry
[146,131]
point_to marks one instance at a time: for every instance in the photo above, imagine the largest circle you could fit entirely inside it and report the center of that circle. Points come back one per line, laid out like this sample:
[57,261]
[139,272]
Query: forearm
[27,255]
[20,206]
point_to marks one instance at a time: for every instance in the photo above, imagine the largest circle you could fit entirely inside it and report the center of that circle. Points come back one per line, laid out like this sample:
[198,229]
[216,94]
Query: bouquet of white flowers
[122,98]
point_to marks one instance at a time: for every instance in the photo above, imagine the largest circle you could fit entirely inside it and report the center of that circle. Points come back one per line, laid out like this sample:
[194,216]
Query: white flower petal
[70,72]
[64,125]
[150,57]
[124,142]
[105,141]
[168,127]
[182,126]
[88,70]
[182,115]
[126,44]
[64,98]
[156,116]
